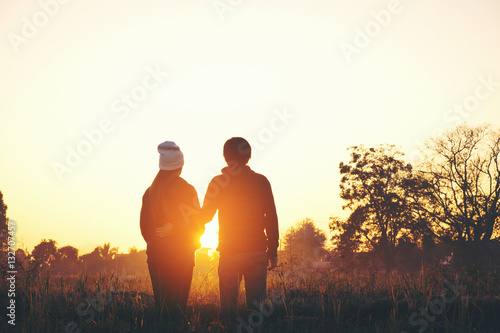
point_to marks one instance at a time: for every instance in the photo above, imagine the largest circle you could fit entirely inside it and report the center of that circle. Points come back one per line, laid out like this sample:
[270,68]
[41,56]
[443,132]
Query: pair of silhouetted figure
[172,222]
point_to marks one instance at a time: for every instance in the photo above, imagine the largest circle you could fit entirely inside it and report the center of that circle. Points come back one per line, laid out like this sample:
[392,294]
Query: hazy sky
[88,89]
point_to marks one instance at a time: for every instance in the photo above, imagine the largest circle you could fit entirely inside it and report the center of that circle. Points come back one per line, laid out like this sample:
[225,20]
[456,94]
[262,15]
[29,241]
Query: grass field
[433,300]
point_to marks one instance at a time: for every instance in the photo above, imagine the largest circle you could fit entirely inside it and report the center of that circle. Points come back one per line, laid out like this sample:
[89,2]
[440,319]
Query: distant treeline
[65,260]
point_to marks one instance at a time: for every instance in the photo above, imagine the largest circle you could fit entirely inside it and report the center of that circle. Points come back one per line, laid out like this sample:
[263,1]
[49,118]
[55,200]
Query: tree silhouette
[92,261]
[66,259]
[67,254]
[346,238]
[461,192]
[44,252]
[133,252]
[303,240]
[133,262]
[107,252]
[4,220]
[374,186]
[22,258]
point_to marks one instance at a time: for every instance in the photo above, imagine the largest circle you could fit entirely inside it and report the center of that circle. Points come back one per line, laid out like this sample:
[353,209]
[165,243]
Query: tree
[461,191]
[134,262]
[303,241]
[92,262]
[107,252]
[67,254]
[44,252]
[374,186]
[346,239]
[4,220]
[22,259]
[66,259]
[133,252]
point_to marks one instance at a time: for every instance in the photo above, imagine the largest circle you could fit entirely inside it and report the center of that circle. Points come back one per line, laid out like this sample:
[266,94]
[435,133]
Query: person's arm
[146,222]
[194,220]
[271,225]
[210,202]
[145,219]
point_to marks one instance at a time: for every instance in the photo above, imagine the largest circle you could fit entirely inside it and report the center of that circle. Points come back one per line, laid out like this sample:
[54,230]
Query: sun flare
[210,239]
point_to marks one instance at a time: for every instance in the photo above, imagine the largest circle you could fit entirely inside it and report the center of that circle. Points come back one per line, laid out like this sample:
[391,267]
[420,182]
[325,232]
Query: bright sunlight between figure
[210,238]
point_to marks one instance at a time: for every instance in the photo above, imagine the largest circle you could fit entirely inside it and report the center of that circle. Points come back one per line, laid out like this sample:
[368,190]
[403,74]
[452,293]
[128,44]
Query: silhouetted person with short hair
[248,228]
[171,235]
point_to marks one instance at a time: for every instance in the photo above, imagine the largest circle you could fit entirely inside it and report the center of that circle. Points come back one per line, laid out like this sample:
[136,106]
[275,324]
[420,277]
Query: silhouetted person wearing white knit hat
[172,236]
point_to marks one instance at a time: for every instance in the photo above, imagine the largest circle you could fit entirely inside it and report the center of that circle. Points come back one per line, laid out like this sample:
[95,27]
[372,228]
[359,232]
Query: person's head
[171,157]
[237,151]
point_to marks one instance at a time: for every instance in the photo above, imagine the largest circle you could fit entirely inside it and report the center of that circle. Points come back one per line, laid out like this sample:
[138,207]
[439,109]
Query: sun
[210,238]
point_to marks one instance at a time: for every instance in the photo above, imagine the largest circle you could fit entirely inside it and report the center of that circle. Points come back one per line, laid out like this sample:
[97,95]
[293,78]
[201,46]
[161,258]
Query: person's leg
[154,274]
[166,289]
[255,274]
[229,286]
[184,287]
[169,286]
[175,282]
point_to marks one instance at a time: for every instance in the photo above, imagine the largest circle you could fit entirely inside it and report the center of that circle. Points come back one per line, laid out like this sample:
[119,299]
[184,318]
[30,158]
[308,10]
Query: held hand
[273,262]
[165,230]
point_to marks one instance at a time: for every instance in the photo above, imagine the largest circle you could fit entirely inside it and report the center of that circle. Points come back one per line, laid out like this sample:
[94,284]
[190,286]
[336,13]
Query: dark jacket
[170,199]
[247,213]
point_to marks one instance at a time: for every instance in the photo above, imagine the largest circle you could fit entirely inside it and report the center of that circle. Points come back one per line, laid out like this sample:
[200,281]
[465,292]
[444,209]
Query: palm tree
[107,252]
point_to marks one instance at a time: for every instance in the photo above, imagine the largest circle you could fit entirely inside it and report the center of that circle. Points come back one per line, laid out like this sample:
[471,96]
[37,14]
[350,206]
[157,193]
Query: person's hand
[165,230]
[273,262]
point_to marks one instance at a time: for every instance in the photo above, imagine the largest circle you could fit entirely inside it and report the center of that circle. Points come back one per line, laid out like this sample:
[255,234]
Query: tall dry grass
[309,301]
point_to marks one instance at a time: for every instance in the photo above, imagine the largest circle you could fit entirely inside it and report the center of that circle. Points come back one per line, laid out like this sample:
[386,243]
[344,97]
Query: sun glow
[210,238]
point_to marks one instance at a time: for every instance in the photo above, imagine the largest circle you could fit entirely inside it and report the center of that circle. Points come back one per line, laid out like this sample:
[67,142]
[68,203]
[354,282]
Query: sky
[88,89]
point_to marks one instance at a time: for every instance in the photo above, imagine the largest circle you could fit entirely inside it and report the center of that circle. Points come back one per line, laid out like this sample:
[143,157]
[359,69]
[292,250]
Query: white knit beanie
[171,157]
